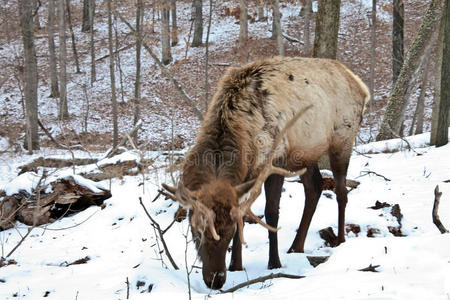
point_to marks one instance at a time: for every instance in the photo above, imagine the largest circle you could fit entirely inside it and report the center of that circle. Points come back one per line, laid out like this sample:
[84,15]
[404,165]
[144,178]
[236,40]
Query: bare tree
[397,37]
[112,76]
[30,74]
[398,101]
[260,10]
[54,90]
[198,24]
[72,35]
[437,80]
[91,44]
[173,7]
[207,55]
[243,23]
[86,23]
[63,109]
[165,33]
[137,83]
[327,28]
[277,26]
[373,47]
[420,107]
[307,27]
[36,6]
[444,106]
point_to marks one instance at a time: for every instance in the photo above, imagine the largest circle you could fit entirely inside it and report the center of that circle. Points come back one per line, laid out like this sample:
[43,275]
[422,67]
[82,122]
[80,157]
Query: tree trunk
[260,10]
[117,51]
[307,27]
[30,74]
[373,48]
[72,35]
[277,28]
[173,7]
[137,83]
[327,28]
[86,24]
[444,105]
[437,81]
[198,24]
[397,38]
[112,76]
[36,6]
[91,34]
[54,90]
[207,55]
[165,33]
[243,23]
[63,109]
[398,101]
[420,107]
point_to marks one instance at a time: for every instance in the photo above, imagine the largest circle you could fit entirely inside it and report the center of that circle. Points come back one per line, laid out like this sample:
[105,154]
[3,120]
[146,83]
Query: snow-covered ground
[122,246]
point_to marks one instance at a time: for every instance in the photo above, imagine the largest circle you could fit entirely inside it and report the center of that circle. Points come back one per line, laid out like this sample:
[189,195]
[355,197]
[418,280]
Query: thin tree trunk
[86,23]
[30,74]
[165,36]
[173,7]
[277,28]
[307,28]
[397,38]
[398,101]
[137,83]
[36,6]
[437,81]
[198,24]
[54,90]
[373,48]
[260,10]
[112,76]
[420,107]
[119,64]
[63,109]
[243,24]
[72,35]
[327,28]
[207,55]
[92,46]
[444,105]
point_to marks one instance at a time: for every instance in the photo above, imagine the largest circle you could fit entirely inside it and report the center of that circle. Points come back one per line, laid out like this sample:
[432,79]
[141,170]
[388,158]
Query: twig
[261,279]
[436,220]
[403,139]
[58,144]
[128,288]
[124,139]
[160,232]
[374,173]
[370,268]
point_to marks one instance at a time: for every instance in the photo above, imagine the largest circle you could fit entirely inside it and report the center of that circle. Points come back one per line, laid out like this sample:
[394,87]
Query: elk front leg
[312,183]
[273,186]
[236,254]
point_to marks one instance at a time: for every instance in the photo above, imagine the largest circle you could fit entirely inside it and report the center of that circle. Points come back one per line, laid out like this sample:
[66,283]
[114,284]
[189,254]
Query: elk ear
[169,188]
[243,188]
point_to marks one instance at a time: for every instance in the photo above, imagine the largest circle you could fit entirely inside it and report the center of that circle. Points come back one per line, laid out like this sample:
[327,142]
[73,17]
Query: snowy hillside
[91,255]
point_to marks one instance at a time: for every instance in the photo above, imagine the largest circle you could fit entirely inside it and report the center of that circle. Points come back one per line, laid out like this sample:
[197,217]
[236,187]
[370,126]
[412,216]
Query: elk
[267,120]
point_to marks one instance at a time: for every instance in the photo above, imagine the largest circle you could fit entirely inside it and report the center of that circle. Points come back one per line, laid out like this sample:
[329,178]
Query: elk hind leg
[339,164]
[273,186]
[312,183]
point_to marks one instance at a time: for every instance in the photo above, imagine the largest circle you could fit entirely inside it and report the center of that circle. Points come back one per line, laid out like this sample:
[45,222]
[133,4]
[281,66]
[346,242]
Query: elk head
[217,210]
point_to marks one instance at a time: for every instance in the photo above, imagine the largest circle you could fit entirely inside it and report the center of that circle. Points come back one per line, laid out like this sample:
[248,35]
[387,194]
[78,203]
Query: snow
[121,243]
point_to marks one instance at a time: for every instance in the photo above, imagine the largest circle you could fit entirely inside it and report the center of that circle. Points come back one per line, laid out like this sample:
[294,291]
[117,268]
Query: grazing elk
[267,120]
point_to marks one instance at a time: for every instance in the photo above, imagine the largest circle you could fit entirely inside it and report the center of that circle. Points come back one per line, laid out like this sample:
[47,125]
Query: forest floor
[168,122]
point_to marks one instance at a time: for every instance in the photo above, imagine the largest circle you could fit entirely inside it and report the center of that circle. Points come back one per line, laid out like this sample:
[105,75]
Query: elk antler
[237,213]
[203,217]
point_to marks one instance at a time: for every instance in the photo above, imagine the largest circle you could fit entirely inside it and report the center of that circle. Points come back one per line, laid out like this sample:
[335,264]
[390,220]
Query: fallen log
[55,163]
[47,203]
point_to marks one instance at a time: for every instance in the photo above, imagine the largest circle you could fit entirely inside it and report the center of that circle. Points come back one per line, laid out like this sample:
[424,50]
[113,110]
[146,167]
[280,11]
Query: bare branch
[261,279]
[161,235]
[436,220]
[374,173]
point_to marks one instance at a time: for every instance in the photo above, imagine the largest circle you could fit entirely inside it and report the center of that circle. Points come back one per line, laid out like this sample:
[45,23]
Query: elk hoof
[274,265]
[295,250]
[233,268]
